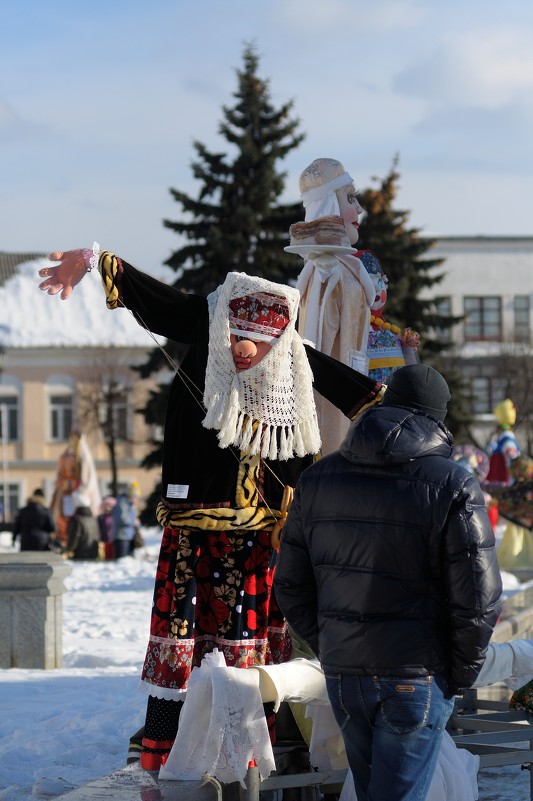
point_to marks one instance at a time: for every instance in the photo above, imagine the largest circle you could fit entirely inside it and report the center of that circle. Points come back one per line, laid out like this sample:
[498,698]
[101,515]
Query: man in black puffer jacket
[388,570]
[34,524]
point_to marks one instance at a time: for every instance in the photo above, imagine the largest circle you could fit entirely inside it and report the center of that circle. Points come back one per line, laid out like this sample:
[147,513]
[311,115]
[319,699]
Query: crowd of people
[384,565]
[111,534]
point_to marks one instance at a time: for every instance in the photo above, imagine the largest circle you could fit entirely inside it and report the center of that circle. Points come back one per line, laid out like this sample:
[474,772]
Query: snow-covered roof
[30,317]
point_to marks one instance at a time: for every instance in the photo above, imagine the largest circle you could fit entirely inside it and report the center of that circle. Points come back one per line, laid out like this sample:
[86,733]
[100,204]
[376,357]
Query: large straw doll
[240,427]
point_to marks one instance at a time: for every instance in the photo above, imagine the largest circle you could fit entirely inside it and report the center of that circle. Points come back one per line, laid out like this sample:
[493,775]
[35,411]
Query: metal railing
[484,727]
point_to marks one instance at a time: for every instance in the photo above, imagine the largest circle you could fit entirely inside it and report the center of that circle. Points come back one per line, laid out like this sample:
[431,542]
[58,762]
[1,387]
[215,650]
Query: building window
[521,318]
[9,418]
[443,307]
[120,416]
[9,500]
[114,415]
[60,417]
[487,386]
[483,319]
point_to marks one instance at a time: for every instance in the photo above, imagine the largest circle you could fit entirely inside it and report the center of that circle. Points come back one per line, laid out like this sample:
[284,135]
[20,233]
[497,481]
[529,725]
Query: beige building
[65,364]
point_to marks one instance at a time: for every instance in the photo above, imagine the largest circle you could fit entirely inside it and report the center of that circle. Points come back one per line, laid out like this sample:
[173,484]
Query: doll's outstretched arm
[63,277]
[410,340]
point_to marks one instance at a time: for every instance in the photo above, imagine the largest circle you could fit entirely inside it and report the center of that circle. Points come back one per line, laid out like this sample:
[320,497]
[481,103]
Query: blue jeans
[123,548]
[392,729]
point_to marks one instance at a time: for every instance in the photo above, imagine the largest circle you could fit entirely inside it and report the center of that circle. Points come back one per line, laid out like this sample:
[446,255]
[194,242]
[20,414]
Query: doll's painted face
[247,352]
[380,282]
[350,211]
[256,321]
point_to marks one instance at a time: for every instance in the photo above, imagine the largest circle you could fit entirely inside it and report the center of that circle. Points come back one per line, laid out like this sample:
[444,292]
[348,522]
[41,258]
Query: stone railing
[516,621]
[31,609]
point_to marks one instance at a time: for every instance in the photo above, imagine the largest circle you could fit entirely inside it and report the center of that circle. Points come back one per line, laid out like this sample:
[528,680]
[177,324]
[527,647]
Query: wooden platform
[135,784]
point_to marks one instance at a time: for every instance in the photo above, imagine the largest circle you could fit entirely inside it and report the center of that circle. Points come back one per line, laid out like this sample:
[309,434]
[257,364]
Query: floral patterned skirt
[212,590]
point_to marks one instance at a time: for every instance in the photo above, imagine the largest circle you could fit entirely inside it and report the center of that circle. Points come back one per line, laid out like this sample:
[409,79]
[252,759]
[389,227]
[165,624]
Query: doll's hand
[410,338]
[64,276]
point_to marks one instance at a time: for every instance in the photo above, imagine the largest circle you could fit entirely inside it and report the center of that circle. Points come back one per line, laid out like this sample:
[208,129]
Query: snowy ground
[62,728]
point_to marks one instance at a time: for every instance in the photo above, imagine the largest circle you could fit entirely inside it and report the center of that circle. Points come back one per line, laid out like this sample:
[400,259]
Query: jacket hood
[83,511]
[38,499]
[388,435]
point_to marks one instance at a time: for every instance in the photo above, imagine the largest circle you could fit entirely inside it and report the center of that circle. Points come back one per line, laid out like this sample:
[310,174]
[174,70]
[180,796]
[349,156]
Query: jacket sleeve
[346,388]
[49,524]
[294,580]
[16,529]
[159,307]
[473,584]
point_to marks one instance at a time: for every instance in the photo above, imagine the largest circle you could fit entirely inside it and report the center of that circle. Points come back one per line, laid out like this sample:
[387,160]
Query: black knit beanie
[418,386]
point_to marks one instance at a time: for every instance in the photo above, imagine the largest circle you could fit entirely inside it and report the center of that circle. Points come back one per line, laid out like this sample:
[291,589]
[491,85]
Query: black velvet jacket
[222,484]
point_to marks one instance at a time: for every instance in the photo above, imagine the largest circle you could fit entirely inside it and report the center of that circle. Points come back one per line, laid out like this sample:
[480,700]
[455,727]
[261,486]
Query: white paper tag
[177,490]
[359,361]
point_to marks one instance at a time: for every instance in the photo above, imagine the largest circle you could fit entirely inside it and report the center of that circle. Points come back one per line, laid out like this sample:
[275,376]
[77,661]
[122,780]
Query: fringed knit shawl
[268,409]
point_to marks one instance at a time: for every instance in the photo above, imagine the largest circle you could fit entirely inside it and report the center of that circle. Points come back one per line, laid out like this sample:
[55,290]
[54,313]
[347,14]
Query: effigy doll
[503,449]
[389,347]
[75,472]
[335,289]
[240,426]
[509,479]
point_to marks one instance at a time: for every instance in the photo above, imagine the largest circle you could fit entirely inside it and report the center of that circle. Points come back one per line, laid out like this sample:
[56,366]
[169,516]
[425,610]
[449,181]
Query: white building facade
[488,281]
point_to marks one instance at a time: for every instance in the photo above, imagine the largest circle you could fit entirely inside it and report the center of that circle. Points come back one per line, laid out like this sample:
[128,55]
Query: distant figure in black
[34,524]
[83,530]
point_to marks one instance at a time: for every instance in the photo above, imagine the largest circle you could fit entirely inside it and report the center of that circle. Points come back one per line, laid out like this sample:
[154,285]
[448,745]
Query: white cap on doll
[318,184]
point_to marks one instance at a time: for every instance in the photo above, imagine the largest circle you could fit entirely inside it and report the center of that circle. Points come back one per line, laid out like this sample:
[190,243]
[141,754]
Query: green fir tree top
[236,222]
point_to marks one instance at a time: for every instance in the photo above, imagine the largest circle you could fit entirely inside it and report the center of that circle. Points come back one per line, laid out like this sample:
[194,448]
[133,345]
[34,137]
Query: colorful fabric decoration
[515,503]
[523,699]
[388,347]
[261,316]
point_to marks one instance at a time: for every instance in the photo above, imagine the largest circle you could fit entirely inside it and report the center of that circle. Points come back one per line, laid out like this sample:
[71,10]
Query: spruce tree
[235,222]
[405,257]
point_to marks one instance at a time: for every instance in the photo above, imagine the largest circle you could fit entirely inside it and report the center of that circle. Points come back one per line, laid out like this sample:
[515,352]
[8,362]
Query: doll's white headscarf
[267,409]
[318,185]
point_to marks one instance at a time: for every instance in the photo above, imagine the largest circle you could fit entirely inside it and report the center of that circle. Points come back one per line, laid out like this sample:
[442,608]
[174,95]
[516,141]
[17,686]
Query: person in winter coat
[83,530]
[105,524]
[387,569]
[124,521]
[34,524]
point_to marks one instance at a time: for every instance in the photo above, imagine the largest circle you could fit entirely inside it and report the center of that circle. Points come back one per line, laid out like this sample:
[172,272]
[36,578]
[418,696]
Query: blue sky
[100,103]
